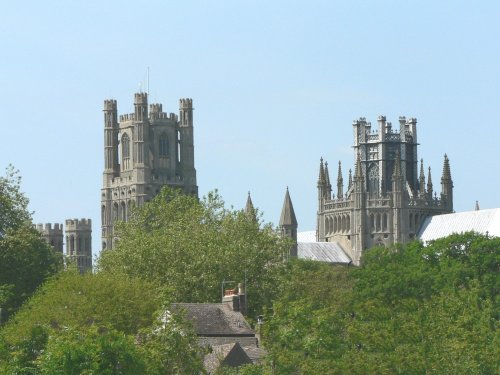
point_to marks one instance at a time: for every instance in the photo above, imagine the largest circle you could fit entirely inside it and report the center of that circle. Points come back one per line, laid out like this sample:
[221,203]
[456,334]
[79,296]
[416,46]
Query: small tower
[79,243]
[52,235]
[186,146]
[288,223]
[249,209]
[447,185]
[340,182]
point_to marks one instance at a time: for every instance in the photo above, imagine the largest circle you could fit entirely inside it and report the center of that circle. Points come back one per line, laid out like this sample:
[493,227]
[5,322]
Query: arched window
[115,211]
[125,151]
[163,146]
[103,215]
[384,222]
[373,177]
[123,212]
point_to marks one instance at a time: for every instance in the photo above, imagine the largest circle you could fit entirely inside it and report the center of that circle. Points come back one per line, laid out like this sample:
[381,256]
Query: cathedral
[144,151]
[385,201]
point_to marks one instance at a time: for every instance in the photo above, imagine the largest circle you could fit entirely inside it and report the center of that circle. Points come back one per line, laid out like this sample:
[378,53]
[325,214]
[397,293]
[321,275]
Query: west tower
[144,151]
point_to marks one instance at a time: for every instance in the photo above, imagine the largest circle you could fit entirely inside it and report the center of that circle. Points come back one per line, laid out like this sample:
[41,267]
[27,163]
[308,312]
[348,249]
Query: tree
[26,260]
[97,324]
[407,310]
[13,203]
[190,247]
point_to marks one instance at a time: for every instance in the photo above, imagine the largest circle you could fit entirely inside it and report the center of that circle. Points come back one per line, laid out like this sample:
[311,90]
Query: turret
[249,209]
[322,186]
[288,223]
[447,185]
[186,146]
[79,243]
[340,183]
[421,179]
[399,219]
[328,194]
[111,166]
[141,130]
[429,184]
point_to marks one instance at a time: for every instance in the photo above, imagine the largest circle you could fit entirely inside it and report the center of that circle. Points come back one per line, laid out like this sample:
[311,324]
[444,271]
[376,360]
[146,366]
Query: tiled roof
[215,319]
[482,221]
[330,252]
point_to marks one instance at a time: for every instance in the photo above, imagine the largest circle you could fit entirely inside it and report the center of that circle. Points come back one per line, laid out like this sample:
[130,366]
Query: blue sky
[275,86]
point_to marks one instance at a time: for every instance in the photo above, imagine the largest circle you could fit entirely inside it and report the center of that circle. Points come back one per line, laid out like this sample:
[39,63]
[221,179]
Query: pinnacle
[287,213]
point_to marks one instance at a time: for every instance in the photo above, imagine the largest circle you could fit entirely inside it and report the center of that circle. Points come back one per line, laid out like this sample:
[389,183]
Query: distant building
[386,200]
[78,241]
[144,151]
[223,327]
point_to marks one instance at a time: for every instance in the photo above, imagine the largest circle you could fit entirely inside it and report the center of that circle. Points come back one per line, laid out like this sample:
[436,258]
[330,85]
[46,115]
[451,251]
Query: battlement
[155,108]
[110,105]
[406,127]
[140,98]
[78,224]
[47,228]
[186,103]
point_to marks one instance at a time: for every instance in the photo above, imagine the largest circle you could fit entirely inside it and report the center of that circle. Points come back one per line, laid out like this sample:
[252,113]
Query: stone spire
[422,177]
[249,209]
[358,172]
[477,206]
[447,185]
[288,222]
[340,183]
[350,179]
[321,177]
[429,183]
[396,173]
[328,184]
[446,169]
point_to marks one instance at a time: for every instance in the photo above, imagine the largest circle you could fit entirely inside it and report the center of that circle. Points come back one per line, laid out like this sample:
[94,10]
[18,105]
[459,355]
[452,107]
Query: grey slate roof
[482,221]
[330,252]
[231,355]
[215,319]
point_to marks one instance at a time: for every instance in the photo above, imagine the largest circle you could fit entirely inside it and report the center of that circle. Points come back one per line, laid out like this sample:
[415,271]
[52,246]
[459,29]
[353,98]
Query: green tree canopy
[97,324]
[191,247]
[13,203]
[26,260]
[408,310]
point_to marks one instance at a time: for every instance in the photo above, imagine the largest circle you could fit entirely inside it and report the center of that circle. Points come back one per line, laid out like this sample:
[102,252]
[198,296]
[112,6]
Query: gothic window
[384,222]
[125,151]
[178,146]
[373,178]
[163,146]
[103,214]
[372,222]
[378,223]
[373,152]
[115,211]
[348,223]
[123,212]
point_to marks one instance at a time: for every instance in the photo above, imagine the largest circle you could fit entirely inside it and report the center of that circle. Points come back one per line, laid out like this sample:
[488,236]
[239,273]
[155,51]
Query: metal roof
[330,252]
[482,221]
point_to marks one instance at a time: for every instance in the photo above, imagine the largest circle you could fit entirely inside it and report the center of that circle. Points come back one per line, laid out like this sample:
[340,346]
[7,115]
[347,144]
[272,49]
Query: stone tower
[387,198]
[79,243]
[144,151]
[288,223]
[53,235]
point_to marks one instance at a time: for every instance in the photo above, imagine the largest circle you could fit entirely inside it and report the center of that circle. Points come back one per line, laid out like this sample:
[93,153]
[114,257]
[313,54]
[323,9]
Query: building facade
[52,234]
[78,241]
[387,198]
[144,151]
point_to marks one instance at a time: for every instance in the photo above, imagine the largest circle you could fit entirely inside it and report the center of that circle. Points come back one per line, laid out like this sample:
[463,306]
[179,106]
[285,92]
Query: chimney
[236,299]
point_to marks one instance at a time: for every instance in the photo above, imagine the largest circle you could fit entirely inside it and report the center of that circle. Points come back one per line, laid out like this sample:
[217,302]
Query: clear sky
[275,86]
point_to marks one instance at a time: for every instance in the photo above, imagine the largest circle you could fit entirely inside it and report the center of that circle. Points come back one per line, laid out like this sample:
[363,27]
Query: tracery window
[163,145]
[125,151]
